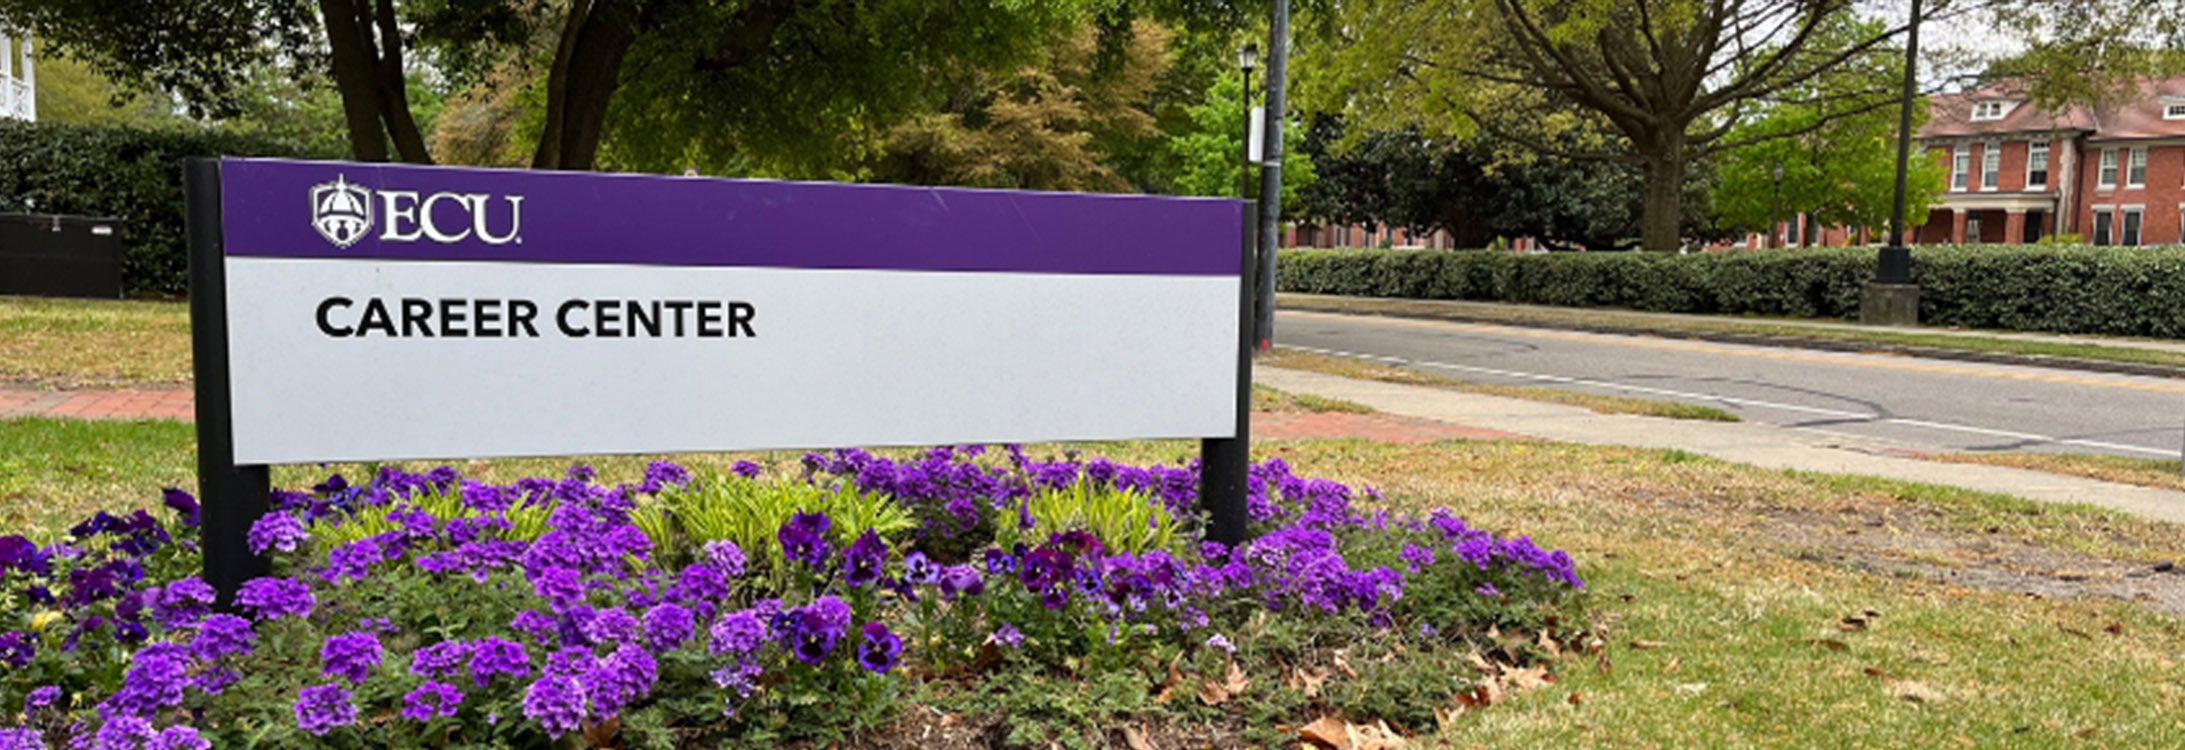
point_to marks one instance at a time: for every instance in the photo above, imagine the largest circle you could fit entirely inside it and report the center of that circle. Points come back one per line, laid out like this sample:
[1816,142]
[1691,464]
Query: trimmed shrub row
[127,173]
[2054,288]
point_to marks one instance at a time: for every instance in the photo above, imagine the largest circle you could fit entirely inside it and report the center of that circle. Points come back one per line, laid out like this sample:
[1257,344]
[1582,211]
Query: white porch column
[30,84]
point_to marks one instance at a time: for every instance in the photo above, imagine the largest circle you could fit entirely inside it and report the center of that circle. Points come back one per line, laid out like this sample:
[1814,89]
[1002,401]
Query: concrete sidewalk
[1757,444]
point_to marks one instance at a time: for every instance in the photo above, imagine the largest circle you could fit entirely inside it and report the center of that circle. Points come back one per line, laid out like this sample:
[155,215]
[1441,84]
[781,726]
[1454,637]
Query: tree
[72,93]
[1212,153]
[1842,173]
[1049,126]
[773,76]
[1672,78]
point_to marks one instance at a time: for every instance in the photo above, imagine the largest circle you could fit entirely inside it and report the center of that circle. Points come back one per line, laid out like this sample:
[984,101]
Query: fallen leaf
[1555,650]
[1914,691]
[1878,672]
[1235,682]
[1446,719]
[1136,738]
[1674,663]
[2114,628]
[1643,645]
[1576,698]
[1376,737]
[1308,681]
[1327,731]
[1691,688]
[1168,685]
[1851,624]
[1212,694]
[1520,680]
[1342,664]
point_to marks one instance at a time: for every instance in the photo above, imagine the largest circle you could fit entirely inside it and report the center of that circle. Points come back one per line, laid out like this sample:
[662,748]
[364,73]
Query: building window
[2129,236]
[1991,166]
[1961,167]
[2173,111]
[1985,111]
[1972,229]
[2036,165]
[2136,174]
[2102,221]
[2107,177]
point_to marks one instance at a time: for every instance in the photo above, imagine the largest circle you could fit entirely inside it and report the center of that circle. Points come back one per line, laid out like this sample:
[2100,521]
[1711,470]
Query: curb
[1834,345]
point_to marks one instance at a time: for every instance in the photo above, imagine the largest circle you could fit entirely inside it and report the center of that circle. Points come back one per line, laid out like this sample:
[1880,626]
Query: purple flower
[804,539]
[1417,557]
[17,649]
[154,681]
[351,656]
[320,709]
[273,598]
[667,626]
[20,554]
[39,698]
[614,625]
[881,650]
[562,588]
[740,632]
[1006,636]
[1488,590]
[1221,643]
[493,656]
[556,703]
[727,557]
[745,469]
[184,504]
[961,579]
[279,531]
[920,570]
[222,635]
[22,739]
[624,676]
[431,700]
[862,562]
[815,628]
[540,626]
[442,660]
[182,602]
[122,733]
[178,737]
[703,582]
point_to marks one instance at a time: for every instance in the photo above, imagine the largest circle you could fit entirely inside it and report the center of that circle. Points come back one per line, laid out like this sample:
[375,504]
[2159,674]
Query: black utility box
[60,256]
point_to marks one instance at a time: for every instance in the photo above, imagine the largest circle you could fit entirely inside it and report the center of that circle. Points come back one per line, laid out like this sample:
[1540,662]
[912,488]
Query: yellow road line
[1787,356]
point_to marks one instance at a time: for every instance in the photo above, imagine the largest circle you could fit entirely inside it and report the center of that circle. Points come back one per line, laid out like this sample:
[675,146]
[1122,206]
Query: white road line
[1838,413]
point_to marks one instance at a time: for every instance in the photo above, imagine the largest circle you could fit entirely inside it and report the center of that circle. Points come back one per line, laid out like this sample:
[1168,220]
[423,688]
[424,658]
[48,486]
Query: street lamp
[1775,214]
[1247,59]
[1891,298]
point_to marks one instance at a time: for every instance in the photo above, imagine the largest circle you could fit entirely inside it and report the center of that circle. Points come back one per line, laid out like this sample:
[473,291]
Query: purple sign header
[302,209]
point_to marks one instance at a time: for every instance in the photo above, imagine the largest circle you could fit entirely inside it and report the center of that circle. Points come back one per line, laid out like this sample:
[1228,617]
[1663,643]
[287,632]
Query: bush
[2121,291]
[127,173]
[564,613]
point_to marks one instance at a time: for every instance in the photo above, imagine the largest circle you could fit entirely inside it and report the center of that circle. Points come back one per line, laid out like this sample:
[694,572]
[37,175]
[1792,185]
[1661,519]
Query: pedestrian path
[102,404]
[1761,445]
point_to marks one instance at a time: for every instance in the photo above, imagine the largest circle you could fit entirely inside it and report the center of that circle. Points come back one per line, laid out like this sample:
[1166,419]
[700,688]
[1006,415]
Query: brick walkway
[177,404]
[125,404]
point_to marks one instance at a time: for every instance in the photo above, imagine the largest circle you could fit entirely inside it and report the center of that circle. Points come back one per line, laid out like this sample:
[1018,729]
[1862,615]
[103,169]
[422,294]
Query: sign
[392,312]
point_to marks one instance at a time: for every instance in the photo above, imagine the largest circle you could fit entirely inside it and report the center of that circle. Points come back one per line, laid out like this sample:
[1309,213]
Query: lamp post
[1775,213]
[1891,298]
[1247,60]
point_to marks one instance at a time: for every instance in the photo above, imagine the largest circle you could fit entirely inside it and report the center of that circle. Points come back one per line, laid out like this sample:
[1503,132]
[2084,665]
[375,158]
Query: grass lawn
[1740,607]
[57,343]
[1363,370]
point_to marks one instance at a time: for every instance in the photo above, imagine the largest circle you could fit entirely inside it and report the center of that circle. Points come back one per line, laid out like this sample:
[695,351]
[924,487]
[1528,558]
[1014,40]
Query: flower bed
[681,611]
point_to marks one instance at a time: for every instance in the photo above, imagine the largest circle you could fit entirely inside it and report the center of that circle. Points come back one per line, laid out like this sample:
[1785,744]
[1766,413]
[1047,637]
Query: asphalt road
[1917,403]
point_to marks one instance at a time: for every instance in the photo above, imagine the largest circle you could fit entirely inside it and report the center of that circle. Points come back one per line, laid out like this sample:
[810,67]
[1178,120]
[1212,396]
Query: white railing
[15,101]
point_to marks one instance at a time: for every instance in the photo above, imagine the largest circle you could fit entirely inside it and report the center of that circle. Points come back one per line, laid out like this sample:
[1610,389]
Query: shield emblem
[340,211]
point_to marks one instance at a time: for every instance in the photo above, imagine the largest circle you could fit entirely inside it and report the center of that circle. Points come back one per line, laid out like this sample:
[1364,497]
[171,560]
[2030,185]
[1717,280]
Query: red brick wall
[2164,190]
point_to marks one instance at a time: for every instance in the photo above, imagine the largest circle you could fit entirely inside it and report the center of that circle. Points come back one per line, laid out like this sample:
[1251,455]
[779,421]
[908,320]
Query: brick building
[2113,175]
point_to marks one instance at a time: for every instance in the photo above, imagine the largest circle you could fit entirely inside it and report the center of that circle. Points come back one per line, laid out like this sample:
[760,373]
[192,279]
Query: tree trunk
[587,69]
[394,96]
[1662,217]
[352,58]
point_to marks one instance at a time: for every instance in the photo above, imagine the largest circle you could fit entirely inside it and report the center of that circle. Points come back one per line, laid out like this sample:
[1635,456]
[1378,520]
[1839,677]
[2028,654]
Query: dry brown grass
[2160,473]
[1363,370]
[52,343]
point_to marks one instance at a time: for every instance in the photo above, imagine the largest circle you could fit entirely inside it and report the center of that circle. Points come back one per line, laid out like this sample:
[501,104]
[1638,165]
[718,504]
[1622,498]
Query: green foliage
[1213,151]
[1125,520]
[750,512]
[129,173]
[2118,291]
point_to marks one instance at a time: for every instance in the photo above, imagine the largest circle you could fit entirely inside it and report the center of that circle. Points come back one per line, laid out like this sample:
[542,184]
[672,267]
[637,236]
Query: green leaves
[1125,520]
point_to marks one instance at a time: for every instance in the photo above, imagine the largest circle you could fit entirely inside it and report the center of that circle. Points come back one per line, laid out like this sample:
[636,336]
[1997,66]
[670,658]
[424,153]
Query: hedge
[128,173]
[2055,288]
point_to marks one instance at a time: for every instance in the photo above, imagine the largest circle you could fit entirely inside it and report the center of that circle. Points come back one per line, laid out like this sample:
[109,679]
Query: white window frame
[2094,230]
[1961,166]
[2125,214]
[1991,166]
[2105,175]
[2037,150]
[1989,111]
[1972,229]
[2135,168]
[2173,110]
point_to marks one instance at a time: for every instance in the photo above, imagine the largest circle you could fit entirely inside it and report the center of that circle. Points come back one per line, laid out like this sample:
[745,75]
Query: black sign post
[231,497]
[1225,463]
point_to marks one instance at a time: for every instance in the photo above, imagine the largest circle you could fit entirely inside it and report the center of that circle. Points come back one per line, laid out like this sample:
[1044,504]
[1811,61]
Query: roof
[1951,115]
[2141,116]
